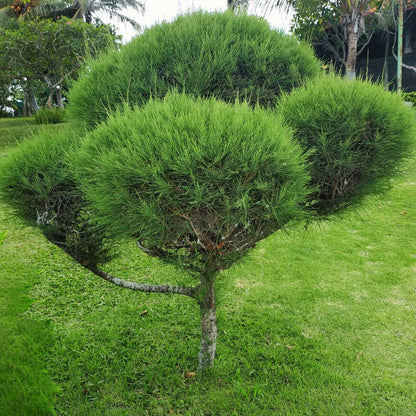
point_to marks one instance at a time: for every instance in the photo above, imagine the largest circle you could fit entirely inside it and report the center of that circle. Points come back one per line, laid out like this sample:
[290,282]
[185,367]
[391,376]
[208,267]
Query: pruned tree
[195,182]
[198,182]
[229,55]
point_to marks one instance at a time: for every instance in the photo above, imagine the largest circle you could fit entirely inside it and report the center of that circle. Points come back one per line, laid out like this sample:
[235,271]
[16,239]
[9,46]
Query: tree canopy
[50,52]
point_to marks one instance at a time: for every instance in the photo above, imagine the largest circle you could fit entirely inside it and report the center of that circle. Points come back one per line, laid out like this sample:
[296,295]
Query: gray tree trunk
[30,105]
[208,323]
[352,47]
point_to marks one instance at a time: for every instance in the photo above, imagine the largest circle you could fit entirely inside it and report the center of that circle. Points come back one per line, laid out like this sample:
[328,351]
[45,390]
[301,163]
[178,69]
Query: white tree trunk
[352,47]
[208,323]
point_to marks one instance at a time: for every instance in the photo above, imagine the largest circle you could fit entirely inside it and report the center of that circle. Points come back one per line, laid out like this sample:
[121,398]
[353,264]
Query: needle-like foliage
[196,182]
[356,132]
[37,183]
[224,55]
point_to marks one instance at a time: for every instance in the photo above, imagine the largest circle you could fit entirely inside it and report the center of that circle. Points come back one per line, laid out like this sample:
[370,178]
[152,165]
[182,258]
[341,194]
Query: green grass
[316,322]
[13,130]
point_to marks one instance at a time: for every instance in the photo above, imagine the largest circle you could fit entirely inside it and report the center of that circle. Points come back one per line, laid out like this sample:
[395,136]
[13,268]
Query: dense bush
[199,181]
[224,55]
[356,134]
[410,97]
[37,183]
[47,115]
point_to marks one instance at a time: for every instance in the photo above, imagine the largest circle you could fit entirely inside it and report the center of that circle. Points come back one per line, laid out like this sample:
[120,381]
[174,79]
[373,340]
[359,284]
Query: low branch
[191,291]
[404,65]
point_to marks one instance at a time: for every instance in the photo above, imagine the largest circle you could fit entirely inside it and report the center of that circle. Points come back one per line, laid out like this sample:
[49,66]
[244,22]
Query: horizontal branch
[191,291]
[413,68]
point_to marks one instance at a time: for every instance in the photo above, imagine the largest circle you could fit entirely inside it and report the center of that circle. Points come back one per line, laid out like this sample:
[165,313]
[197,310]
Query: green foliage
[2,237]
[224,55]
[409,96]
[194,180]
[50,115]
[49,51]
[37,183]
[357,132]
[312,323]
[324,23]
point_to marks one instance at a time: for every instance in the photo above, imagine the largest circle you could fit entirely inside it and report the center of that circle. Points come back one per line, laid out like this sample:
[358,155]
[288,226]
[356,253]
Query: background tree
[323,27]
[51,52]
[11,10]
[351,14]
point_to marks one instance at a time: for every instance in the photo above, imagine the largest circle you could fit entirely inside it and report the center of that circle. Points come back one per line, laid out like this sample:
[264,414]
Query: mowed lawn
[316,321]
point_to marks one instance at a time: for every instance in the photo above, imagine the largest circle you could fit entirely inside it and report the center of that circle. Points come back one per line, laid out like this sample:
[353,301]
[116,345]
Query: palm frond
[5,3]
[48,9]
[7,17]
[124,19]
[119,5]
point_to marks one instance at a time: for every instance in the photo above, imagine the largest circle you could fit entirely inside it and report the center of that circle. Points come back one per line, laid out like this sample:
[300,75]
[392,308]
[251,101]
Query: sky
[157,11]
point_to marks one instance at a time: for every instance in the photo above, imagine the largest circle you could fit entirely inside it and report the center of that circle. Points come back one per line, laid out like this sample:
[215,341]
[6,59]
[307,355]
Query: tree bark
[191,291]
[386,61]
[209,331]
[352,46]
[30,106]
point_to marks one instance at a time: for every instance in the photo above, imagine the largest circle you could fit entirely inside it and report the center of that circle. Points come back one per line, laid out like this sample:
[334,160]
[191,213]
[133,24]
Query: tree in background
[51,52]
[323,27]
[12,10]
[351,14]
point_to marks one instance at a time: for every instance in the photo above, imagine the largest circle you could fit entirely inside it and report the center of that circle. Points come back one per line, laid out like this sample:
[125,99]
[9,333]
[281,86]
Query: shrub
[356,134]
[47,115]
[37,183]
[196,182]
[410,96]
[224,55]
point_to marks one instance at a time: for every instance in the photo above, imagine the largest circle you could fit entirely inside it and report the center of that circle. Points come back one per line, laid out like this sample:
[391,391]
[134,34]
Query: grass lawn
[315,322]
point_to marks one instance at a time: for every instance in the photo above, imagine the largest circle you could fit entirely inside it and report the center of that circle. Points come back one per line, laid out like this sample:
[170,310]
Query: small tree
[52,51]
[195,182]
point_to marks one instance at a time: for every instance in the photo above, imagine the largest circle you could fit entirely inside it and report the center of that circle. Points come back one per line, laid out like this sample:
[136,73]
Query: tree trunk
[386,61]
[59,101]
[353,27]
[50,97]
[208,322]
[30,106]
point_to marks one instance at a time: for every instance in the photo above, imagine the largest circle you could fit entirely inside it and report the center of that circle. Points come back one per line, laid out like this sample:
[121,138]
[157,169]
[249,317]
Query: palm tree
[352,16]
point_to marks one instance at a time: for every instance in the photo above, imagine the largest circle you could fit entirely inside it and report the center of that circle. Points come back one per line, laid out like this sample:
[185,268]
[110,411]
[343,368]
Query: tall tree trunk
[30,105]
[386,61]
[208,322]
[353,27]
[59,101]
[50,97]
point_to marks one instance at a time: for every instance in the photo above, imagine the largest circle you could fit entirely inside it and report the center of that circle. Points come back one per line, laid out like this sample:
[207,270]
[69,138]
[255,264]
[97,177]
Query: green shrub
[195,181]
[2,237]
[47,115]
[224,55]
[410,96]
[357,134]
[37,183]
